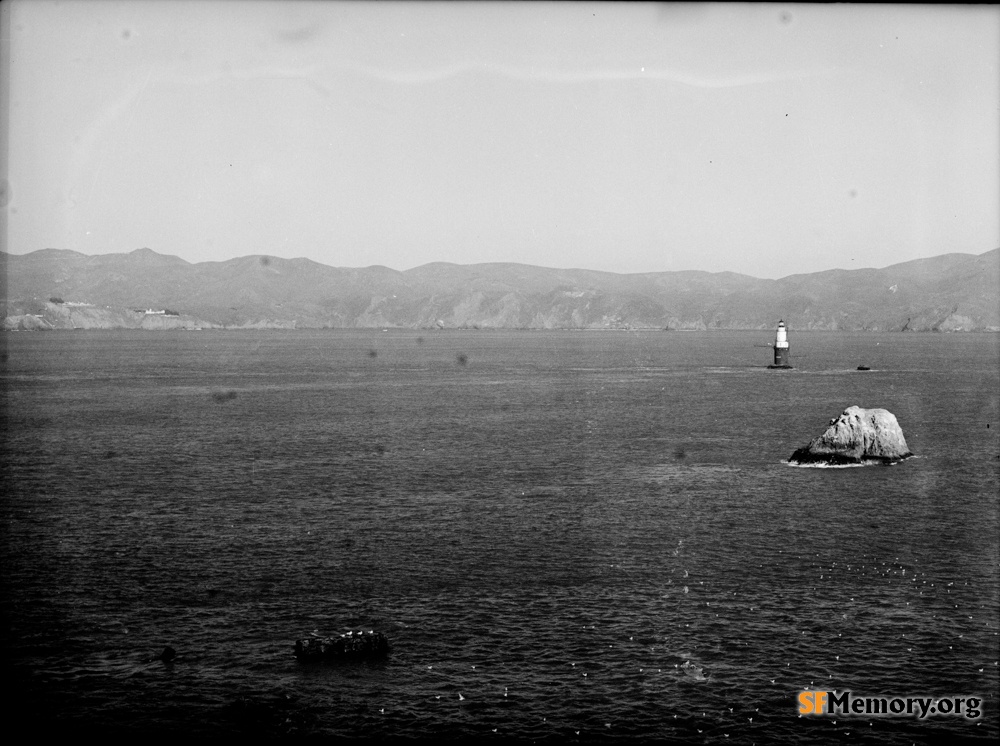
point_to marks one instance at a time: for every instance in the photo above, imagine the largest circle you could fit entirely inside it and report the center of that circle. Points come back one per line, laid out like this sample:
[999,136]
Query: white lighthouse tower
[781,347]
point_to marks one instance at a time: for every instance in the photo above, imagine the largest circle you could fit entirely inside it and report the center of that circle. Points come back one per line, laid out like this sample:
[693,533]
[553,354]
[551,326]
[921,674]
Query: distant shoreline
[490,330]
[144,289]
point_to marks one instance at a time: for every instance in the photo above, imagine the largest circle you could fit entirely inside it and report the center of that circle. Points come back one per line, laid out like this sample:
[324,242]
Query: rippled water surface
[566,536]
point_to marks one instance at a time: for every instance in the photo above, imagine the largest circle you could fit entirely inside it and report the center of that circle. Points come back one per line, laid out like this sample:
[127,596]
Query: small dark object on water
[167,655]
[350,646]
[863,367]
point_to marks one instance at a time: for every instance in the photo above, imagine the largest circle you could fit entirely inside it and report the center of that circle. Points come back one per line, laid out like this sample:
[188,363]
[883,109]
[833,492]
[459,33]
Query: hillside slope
[952,292]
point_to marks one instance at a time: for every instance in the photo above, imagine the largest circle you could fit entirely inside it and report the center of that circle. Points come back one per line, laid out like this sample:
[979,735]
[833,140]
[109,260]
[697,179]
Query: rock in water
[858,436]
[350,646]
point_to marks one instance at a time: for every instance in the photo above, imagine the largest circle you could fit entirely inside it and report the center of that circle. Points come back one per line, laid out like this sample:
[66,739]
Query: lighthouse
[781,347]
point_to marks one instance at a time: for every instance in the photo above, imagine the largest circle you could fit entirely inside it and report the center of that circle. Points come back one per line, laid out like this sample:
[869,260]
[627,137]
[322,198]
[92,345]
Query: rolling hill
[54,288]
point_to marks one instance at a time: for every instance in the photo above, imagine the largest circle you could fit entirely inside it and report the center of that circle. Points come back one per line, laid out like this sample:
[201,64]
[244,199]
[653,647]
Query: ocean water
[567,536]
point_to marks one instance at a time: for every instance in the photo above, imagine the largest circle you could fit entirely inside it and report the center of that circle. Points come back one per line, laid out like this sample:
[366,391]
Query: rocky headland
[858,436]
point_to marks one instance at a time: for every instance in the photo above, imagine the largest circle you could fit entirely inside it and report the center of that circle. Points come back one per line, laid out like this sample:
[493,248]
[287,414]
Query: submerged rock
[858,436]
[349,646]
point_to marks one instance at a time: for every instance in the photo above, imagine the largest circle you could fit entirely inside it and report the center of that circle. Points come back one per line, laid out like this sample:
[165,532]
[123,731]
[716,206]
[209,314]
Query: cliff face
[857,436]
[952,292]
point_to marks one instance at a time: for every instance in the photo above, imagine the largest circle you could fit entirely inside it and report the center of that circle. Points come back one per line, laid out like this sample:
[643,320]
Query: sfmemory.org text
[846,704]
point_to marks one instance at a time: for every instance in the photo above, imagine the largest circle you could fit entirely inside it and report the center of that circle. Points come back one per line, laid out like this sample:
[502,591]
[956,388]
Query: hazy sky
[762,139]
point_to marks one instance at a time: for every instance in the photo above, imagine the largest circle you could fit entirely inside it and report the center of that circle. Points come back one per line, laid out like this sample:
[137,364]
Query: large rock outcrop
[858,436]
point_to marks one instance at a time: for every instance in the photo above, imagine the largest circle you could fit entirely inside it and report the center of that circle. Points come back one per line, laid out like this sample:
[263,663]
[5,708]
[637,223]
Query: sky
[762,139]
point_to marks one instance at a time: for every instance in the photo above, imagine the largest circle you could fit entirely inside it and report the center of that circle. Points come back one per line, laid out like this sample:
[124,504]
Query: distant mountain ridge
[54,288]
